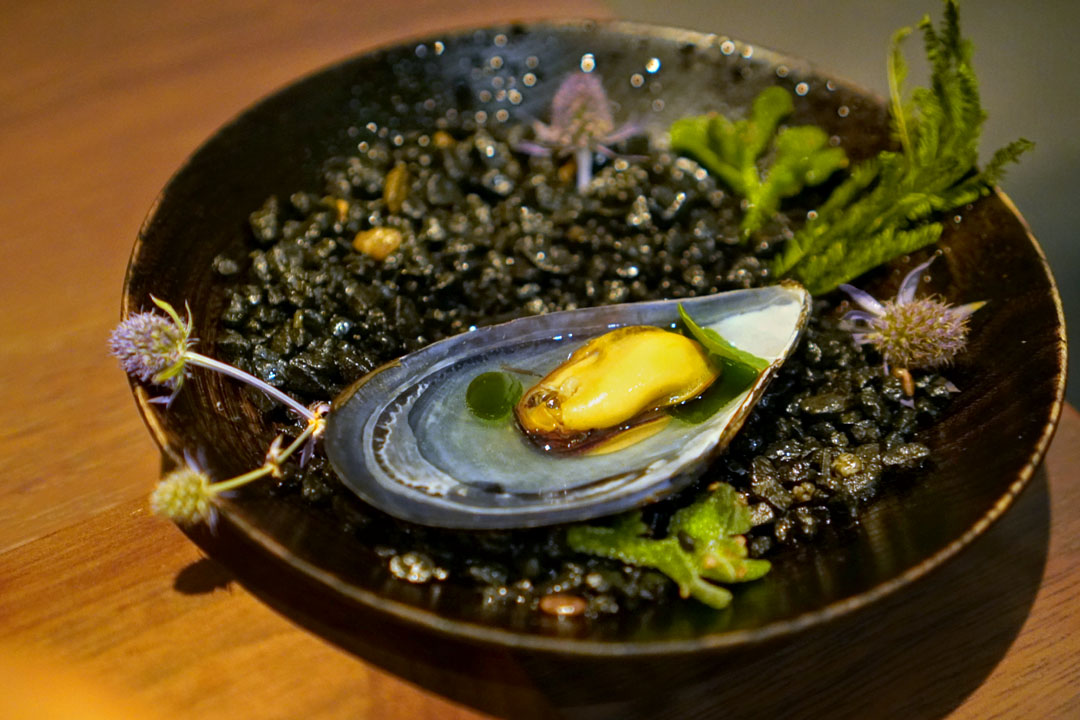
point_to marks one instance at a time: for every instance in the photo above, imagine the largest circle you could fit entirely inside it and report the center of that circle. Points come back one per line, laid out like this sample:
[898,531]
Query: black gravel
[488,234]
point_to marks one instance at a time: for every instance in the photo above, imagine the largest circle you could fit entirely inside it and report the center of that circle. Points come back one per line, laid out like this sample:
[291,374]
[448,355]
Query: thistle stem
[298,442]
[211,364]
[269,466]
[239,480]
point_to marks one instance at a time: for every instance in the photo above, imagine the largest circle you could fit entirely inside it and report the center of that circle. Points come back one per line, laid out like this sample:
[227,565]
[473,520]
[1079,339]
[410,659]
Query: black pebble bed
[488,234]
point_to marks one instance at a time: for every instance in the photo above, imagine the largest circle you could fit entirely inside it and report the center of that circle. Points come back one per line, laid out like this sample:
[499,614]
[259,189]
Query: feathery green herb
[704,545]
[731,151]
[885,208]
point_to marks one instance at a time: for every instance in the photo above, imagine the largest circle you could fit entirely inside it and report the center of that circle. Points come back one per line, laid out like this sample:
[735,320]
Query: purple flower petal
[606,151]
[534,149]
[307,451]
[964,311]
[628,130]
[911,282]
[864,299]
[858,316]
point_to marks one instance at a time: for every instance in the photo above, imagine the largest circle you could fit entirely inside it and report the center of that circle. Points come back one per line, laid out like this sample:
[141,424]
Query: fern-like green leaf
[1003,156]
[887,206]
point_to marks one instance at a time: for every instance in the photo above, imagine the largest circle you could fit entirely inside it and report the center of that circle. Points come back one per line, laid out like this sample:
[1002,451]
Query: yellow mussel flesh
[615,382]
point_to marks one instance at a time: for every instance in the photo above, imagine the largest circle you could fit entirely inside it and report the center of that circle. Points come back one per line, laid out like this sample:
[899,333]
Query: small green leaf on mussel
[615,382]
[718,346]
[492,395]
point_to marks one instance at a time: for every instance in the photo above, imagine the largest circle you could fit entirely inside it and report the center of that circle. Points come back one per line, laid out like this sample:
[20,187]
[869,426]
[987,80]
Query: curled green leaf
[800,156]
[716,345]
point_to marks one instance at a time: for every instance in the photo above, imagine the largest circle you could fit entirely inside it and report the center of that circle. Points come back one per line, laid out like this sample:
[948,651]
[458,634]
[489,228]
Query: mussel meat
[618,381]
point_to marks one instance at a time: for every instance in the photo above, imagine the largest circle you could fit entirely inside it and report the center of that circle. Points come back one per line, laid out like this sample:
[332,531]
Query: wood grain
[99,103]
[127,597]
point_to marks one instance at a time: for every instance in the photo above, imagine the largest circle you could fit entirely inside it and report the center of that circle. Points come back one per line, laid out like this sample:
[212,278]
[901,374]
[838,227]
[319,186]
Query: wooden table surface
[99,103]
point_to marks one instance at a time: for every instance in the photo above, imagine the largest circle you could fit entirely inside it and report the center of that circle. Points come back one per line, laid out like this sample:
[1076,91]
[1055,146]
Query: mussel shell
[403,439]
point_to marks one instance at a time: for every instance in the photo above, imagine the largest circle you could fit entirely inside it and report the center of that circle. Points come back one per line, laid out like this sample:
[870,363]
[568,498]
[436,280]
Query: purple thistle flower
[909,333]
[152,347]
[157,349]
[581,124]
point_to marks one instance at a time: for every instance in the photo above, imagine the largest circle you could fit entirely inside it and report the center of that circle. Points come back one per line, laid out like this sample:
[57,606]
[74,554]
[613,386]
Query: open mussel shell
[404,440]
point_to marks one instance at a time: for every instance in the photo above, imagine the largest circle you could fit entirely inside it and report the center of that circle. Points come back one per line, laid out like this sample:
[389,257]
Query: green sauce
[492,395]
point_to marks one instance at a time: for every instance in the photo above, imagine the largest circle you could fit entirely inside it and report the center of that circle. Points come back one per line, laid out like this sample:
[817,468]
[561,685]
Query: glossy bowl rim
[553,644]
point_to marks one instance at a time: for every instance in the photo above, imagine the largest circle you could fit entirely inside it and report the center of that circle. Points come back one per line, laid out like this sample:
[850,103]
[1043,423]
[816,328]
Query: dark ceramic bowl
[984,452]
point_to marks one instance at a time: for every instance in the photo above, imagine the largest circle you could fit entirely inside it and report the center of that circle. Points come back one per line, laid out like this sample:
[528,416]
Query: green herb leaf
[886,207]
[733,381]
[731,150]
[492,395]
[704,546]
[713,342]
[740,370]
